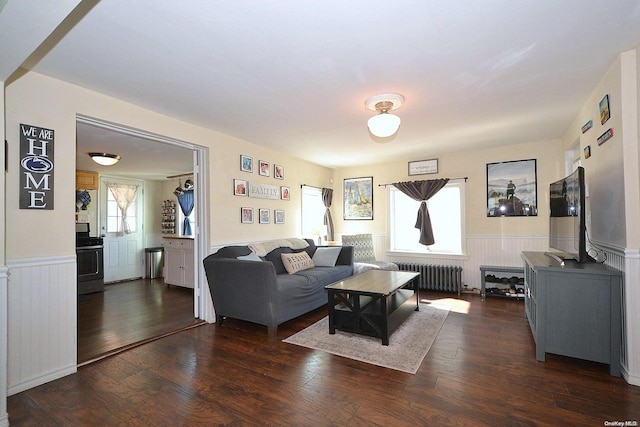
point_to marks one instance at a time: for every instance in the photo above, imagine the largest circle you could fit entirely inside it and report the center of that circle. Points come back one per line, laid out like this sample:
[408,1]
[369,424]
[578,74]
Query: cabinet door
[174,258]
[86,180]
[188,276]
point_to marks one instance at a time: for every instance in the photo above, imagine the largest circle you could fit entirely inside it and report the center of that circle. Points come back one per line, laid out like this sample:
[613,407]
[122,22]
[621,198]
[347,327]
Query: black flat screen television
[567,225]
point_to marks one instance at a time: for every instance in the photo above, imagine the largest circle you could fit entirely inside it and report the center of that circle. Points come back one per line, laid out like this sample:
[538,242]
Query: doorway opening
[152,149]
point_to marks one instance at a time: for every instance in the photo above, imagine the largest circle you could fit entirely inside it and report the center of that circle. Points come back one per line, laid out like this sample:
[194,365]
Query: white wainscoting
[628,261]
[42,321]
[481,250]
[4,416]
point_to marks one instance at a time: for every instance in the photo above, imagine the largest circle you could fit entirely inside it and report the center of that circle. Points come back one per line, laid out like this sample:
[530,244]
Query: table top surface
[381,282]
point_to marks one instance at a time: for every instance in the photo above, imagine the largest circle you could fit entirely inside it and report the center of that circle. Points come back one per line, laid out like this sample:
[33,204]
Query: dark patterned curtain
[327,199]
[423,191]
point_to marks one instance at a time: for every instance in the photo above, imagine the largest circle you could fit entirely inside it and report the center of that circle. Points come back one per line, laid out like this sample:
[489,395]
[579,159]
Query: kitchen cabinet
[179,261]
[86,180]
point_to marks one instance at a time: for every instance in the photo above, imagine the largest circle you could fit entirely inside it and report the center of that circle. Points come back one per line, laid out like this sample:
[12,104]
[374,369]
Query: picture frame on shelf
[264,167]
[265,215]
[423,167]
[285,193]
[512,188]
[246,215]
[278,216]
[278,171]
[246,163]
[357,202]
[240,187]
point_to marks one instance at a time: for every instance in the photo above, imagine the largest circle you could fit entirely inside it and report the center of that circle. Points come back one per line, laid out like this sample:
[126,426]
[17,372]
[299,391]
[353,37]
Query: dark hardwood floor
[129,313]
[480,371]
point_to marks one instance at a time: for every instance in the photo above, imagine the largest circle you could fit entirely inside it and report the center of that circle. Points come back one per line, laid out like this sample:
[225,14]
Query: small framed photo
[285,193]
[278,172]
[278,216]
[423,167]
[587,151]
[264,216]
[246,163]
[246,215]
[605,113]
[240,187]
[264,168]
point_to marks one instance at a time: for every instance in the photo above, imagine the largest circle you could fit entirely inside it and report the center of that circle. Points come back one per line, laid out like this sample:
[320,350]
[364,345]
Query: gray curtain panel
[327,199]
[423,191]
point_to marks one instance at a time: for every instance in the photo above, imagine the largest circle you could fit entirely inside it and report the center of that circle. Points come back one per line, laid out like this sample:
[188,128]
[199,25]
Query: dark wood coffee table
[373,303]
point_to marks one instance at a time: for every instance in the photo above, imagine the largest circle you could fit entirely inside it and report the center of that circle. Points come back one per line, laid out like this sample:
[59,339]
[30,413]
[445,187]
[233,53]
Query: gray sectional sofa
[251,284]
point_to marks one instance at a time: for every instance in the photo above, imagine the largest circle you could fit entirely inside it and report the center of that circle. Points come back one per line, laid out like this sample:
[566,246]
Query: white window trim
[408,255]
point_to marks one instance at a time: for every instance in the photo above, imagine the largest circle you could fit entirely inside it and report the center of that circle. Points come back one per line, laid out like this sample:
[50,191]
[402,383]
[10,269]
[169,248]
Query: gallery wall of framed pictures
[261,190]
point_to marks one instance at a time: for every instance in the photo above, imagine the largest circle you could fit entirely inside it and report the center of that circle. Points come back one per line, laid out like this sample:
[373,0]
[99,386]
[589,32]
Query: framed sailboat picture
[357,196]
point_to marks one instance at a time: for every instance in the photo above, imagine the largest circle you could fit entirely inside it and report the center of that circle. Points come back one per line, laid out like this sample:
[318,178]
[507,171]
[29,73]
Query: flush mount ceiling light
[384,124]
[104,159]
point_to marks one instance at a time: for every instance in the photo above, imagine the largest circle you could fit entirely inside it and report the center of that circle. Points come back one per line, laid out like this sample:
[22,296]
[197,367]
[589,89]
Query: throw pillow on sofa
[297,262]
[250,257]
[326,257]
[275,257]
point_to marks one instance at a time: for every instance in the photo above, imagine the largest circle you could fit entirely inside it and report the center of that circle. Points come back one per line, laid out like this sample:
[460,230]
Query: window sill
[420,256]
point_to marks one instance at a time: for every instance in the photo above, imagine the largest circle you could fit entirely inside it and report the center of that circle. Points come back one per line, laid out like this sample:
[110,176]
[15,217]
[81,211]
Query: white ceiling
[293,75]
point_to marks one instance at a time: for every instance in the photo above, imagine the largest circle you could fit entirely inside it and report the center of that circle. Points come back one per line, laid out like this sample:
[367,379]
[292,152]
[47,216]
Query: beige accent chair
[364,254]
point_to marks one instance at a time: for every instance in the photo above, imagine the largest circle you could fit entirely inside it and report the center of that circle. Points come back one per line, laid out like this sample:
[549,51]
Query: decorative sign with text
[264,191]
[36,167]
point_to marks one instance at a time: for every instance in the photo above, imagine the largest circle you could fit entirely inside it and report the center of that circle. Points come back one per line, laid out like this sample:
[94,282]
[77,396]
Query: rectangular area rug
[407,345]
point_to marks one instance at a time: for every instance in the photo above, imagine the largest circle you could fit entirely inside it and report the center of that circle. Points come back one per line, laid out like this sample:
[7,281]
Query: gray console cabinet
[574,310]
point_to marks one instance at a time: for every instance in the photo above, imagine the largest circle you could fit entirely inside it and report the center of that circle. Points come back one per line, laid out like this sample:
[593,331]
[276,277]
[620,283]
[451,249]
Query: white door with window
[121,218]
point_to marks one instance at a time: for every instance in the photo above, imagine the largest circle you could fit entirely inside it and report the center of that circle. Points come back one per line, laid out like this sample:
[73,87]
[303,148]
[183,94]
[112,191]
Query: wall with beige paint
[41,244]
[47,102]
[613,181]
[471,164]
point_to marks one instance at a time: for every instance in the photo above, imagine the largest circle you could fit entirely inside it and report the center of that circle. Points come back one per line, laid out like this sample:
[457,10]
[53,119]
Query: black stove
[90,264]
[82,236]
[83,242]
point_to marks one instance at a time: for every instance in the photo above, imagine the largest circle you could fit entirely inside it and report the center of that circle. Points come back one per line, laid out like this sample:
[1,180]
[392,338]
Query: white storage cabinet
[178,261]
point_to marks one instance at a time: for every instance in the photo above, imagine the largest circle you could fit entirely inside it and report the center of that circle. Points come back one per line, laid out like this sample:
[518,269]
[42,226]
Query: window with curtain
[446,210]
[121,209]
[312,211]
[186,214]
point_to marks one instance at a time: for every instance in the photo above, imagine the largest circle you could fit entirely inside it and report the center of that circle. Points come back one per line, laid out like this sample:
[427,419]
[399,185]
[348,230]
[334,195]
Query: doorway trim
[202,306]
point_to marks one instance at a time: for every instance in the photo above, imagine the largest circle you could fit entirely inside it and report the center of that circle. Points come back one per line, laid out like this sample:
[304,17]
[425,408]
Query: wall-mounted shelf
[168,217]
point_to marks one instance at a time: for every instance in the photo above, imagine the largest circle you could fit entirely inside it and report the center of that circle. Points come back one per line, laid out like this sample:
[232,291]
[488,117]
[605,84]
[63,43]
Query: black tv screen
[567,226]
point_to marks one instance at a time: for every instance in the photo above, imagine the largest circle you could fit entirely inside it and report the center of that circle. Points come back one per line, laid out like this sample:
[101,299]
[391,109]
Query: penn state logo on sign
[36,167]
[37,164]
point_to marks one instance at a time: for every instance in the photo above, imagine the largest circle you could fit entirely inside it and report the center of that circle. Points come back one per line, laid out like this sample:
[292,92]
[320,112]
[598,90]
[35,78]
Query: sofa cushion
[294,262]
[326,275]
[363,249]
[326,257]
[232,252]
[275,257]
